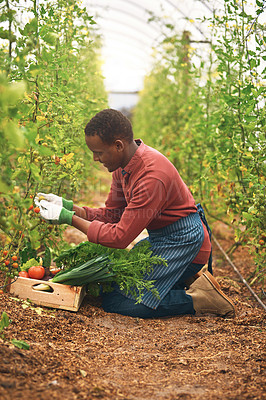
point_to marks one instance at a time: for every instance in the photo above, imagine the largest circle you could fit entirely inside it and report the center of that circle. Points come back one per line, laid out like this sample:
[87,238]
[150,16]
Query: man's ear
[119,145]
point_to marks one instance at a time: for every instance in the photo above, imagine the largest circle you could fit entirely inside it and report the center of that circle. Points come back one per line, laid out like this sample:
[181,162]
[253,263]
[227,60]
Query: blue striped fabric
[178,243]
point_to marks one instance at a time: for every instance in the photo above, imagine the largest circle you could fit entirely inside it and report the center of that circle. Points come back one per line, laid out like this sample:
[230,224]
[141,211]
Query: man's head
[110,125]
[109,136]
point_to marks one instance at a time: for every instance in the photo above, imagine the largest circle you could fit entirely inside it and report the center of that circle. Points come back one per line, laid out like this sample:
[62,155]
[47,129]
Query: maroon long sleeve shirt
[148,193]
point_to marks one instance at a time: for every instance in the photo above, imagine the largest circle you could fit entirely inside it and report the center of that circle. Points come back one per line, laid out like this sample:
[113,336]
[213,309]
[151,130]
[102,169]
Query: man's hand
[54,199]
[55,214]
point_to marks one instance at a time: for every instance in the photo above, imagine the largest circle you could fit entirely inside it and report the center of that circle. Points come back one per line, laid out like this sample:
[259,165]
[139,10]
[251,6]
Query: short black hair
[109,125]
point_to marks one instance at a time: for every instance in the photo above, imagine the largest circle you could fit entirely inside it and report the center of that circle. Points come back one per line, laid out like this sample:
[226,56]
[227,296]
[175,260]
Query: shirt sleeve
[114,205]
[146,202]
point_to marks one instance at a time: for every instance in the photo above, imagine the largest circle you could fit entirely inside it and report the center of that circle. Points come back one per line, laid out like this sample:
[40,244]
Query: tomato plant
[50,87]
[207,115]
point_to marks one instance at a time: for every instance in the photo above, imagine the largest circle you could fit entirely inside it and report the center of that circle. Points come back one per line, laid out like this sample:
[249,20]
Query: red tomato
[14,258]
[37,210]
[55,271]
[24,274]
[15,265]
[5,253]
[37,272]
[30,207]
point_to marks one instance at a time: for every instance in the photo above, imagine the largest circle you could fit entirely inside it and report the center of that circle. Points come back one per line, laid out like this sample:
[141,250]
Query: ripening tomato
[37,272]
[37,210]
[55,271]
[15,265]
[30,207]
[24,274]
[14,258]
[5,253]
[7,262]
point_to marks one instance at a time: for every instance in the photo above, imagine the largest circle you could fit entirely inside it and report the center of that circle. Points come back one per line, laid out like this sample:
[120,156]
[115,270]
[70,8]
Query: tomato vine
[51,85]
[204,108]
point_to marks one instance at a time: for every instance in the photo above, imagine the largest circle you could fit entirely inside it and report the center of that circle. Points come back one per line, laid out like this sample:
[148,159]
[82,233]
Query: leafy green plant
[52,85]
[208,118]
[4,323]
[90,263]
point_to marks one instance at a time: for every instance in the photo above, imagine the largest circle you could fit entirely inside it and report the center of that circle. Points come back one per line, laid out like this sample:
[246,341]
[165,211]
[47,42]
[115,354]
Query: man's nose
[95,157]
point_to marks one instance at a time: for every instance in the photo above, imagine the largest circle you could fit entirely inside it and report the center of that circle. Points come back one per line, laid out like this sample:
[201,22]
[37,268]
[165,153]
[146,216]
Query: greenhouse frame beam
[128,14]
[133,28]
[124,92]
[145,9]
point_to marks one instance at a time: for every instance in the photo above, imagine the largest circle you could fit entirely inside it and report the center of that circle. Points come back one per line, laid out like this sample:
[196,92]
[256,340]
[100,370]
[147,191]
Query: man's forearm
[80,223]
[79,211]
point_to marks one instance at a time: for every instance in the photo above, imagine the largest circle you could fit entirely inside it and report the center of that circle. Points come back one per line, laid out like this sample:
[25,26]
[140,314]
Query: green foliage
[209,119]
[93,270]
[127,269]
[50,86]
[32,262]
[27,253]
[4,323]
[9,131]
[21,344]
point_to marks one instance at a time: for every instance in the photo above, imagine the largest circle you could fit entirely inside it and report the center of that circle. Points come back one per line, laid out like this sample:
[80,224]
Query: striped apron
[179,244]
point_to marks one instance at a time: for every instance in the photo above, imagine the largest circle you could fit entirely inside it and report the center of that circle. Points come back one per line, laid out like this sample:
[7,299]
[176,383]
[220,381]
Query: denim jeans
[176,302]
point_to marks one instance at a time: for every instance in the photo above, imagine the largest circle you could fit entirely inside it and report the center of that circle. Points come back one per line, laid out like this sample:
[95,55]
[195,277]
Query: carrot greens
[90,264]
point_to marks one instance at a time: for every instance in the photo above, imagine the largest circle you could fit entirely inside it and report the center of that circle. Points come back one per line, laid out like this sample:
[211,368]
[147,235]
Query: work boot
[192,279]
[208,297]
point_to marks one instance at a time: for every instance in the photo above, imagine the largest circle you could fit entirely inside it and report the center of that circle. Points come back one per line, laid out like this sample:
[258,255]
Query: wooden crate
[63,296]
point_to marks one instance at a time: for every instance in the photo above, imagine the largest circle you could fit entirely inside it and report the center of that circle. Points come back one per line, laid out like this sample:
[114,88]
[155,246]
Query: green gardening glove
[55,214]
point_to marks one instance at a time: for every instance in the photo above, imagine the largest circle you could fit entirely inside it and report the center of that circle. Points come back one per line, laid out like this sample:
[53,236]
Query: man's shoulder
[154,169]
[154,160]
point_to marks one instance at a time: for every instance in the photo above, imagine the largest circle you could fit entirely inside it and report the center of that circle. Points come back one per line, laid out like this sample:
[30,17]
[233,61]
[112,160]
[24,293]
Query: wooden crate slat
[63,296]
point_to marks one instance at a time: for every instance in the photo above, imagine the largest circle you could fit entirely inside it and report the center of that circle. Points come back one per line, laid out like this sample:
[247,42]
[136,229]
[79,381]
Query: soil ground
[90,354]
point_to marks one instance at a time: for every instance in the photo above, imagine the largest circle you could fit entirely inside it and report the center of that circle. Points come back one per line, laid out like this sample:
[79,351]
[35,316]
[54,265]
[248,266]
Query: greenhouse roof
[131,29]
[130,35]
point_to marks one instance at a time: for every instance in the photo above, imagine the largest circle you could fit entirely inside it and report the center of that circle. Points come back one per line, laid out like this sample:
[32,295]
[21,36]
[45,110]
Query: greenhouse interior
[132,217]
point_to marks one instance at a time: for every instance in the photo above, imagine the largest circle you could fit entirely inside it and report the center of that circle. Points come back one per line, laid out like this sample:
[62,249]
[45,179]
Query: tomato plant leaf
[20,344]
[4,322]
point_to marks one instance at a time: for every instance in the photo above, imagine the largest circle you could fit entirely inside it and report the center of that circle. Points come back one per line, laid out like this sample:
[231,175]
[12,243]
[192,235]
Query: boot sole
[217,287]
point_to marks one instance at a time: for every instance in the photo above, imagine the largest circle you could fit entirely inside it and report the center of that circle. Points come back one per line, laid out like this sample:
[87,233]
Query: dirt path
[94,355]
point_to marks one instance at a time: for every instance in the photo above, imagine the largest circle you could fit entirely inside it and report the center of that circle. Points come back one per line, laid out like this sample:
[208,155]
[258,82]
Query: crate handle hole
[43,287]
